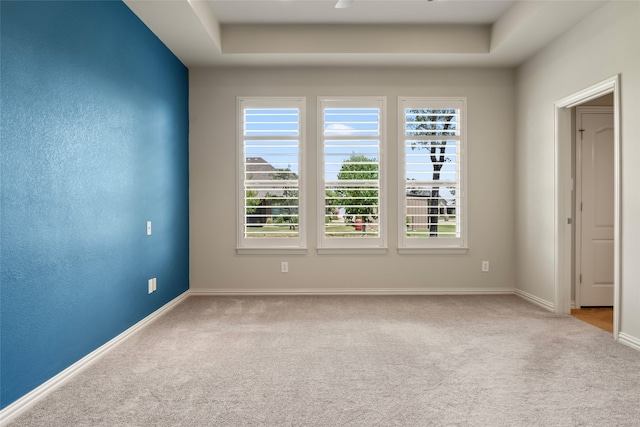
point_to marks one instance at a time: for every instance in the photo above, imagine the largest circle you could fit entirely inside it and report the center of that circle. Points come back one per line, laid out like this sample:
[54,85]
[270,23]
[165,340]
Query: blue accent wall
[94,139]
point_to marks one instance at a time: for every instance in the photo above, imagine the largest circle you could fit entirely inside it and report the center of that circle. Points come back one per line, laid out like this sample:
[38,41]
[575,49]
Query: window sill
[352,251]
[433,251]
[271,251]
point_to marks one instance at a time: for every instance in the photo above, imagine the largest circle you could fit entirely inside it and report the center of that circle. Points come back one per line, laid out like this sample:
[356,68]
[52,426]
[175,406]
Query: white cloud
[339,129]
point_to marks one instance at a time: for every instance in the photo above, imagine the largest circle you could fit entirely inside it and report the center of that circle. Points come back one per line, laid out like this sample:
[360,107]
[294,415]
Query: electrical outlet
[485,266]
[155,284]
[284,267]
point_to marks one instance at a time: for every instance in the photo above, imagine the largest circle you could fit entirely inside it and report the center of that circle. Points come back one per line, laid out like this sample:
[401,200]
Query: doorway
[565,188]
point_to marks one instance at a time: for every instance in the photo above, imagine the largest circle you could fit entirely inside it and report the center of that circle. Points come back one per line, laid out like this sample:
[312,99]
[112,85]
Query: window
[432,192]
[270,146]
[351,163]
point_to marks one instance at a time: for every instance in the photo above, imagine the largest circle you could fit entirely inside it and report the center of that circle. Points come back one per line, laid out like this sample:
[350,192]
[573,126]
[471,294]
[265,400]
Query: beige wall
[603,45]
[215,266]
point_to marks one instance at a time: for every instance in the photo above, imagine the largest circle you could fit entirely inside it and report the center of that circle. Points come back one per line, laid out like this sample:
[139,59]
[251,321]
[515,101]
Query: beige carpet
[355,361]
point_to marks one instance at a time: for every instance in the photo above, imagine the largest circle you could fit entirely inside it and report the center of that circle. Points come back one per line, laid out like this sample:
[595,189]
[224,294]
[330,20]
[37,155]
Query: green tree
[332,201]
[436,123]
[253,209]
[289,198]
[285,174]
[359,202]
[251,201]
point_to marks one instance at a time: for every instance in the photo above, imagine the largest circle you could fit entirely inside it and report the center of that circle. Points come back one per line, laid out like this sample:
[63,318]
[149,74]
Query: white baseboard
[632,342]
[355,291]
[535,300]
[31,398]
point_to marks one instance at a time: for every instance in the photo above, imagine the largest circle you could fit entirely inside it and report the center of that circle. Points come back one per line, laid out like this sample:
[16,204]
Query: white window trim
[432,246]
[266,245]
[352,245]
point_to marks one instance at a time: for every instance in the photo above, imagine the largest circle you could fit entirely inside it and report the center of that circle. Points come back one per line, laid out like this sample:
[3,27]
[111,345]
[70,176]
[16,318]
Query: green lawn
[282,230]
[342,230]
[271,230]
[442,228]
[348,230]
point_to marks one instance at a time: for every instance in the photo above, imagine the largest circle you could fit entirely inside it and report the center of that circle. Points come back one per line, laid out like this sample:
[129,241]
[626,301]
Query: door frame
[564,188]
[577,235]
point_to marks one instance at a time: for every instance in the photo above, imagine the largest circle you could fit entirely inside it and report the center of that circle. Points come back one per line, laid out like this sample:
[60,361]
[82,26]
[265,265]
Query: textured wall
[94,144]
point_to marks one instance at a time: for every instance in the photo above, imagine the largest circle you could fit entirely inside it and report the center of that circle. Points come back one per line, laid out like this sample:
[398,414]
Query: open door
[594,257]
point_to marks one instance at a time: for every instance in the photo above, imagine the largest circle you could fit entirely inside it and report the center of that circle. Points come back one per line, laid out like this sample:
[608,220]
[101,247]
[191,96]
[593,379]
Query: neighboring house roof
[259,169]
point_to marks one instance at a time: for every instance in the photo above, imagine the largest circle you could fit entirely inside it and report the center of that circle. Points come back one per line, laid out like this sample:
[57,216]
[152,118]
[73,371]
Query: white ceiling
[362,11]
[372,32]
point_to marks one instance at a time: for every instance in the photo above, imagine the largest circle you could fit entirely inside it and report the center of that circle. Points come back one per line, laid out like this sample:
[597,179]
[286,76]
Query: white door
[594,206]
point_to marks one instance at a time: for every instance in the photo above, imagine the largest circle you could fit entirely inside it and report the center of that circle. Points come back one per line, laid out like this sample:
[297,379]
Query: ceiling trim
[365,39]
[193,32]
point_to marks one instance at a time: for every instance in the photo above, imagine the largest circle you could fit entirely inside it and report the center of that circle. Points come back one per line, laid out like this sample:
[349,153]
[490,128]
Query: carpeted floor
[355,361]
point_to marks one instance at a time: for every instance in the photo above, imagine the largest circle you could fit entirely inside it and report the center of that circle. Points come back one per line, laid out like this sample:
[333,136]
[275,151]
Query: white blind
[351,160]
[271,146]
[432,162]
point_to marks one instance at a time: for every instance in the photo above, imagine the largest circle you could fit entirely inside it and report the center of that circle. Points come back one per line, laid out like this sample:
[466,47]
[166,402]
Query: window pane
[351,121]
[430,213]
[351,172]
[269,122]
[430,122]
[271,174]
[432,161]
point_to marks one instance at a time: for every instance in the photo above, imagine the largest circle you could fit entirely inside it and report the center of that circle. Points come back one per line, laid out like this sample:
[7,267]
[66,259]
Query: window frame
[352,245]
[270,245]
[433,245]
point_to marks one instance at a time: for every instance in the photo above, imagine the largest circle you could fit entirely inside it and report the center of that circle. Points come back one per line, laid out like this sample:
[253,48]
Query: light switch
[148,228]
